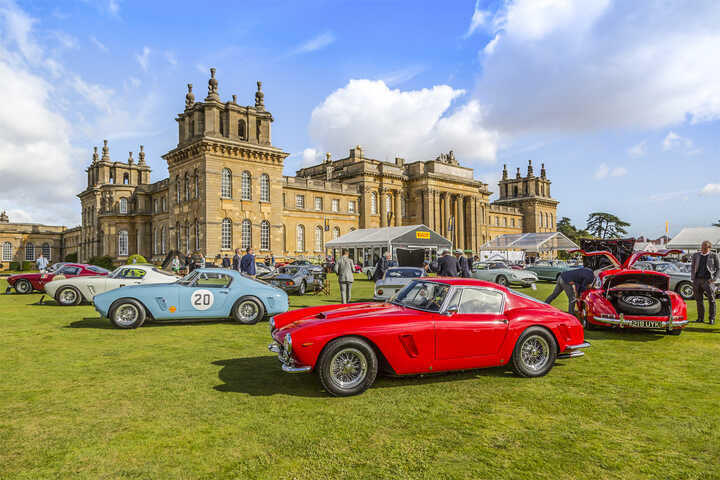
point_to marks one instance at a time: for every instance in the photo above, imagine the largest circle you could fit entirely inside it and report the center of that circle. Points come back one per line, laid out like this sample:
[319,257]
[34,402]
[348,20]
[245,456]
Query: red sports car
[27,282]
[624,297]
[432,325]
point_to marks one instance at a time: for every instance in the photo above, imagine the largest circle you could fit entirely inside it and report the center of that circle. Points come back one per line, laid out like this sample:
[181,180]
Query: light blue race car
[202,294]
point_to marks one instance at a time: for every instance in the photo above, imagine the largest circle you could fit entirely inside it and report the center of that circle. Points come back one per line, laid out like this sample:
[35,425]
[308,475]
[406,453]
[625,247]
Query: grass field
[79,399]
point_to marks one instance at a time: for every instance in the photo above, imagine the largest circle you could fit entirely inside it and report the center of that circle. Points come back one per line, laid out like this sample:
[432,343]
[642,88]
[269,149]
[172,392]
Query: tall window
[318,203]
[123,205]
[512,222]
[246,234]
[226,186]
[178,235]
[351,206]
[300,201]
[155,241]
[222,125]
[163,240]
[123,243]
[187,187]
[126,179]
[241,128]
[373,203]
[164,204]
[156,207]
[388,203]
[177,188]
[318,239]
[336,233]
[187,237]
[46,250]
[335,205]
[29,251]
[197,235]
[7,252]
[403,206]
[264,187]
[246,186]
[505,221]
[300,241]
[226,233]
[196,179]
[265,235]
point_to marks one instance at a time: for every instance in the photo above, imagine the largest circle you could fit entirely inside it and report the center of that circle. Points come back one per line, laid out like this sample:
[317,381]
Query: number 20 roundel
[202,299]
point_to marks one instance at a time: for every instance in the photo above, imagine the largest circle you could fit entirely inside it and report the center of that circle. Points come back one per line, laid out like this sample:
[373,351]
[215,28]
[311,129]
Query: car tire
[303,288]
[685,290]
[501,280]
[651,305]
[68,296]
[347,366]
[127,313]
[534,353]
[23,287]
[248,310]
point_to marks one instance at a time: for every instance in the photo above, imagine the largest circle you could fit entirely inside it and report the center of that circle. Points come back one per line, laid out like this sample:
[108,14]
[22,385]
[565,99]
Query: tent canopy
[531,242]
[407,236]
[691,238]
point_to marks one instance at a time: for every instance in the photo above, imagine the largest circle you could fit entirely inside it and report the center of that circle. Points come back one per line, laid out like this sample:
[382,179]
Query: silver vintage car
[501,274]
[679,279]
[395,279]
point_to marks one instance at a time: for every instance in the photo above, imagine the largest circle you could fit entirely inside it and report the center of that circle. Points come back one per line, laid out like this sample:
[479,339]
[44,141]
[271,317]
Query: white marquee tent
[690,238]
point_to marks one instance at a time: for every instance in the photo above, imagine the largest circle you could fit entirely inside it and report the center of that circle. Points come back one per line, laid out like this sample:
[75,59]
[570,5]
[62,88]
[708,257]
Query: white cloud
[66,40]
[593,64]
[171,58]
[604,170]
[414,124]
[144,58]
[402,75]
[97,95]
[316,43]
[478,19]
[310,156]
[114,7]
[673,141]
[711,189]
[639,150]
[101,46]
[618,172]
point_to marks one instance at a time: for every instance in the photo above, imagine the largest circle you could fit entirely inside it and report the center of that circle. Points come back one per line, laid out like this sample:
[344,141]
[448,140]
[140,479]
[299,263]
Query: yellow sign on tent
[425,235]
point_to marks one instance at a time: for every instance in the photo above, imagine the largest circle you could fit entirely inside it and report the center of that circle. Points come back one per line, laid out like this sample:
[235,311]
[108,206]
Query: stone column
[420,211]
[398,208]
[446,215]
[473,224]
[431,209]
[381,207]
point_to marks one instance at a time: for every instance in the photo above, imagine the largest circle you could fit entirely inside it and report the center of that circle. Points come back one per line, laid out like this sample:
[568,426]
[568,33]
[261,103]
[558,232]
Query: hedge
[104,262]
[137,258]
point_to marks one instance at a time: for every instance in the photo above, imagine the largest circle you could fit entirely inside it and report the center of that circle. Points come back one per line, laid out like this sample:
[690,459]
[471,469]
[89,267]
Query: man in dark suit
[226,261]
[447,265]
[247,263]
[381,266]
[236,260]
[463,267]
[704,271]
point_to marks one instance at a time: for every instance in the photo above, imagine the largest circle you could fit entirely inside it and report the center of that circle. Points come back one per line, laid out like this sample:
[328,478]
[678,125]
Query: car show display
[205,293]
[74,290]
[549,269]
[679,277]
[432,325]
[297,279]
[501,274]
[394,280]
[27,282]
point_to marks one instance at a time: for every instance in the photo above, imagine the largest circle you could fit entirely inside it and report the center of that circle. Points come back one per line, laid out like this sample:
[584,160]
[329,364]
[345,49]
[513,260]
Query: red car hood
[366,311]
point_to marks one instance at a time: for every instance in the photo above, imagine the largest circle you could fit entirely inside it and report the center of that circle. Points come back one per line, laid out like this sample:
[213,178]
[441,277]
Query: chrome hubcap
[68,296]
[23,287]
[248,310]
[126,314]
[348,368]
[687,291]
[535,352]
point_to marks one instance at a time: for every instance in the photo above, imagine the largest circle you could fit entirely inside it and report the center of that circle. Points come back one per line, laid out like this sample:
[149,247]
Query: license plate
[646,324]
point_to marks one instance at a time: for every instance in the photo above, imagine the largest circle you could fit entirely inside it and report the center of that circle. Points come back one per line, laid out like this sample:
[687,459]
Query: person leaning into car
[704,271]
[344,267]
[573,283]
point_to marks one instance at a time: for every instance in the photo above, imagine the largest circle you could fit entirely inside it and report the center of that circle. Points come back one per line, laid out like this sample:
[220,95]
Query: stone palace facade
[226,189]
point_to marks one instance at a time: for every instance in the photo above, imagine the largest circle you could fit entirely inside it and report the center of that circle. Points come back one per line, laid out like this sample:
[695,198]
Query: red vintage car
[432,325]
[625,297]
[27,282]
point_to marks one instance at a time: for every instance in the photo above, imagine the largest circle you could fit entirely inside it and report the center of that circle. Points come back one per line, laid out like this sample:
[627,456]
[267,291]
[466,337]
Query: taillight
[290,283]
[379,292]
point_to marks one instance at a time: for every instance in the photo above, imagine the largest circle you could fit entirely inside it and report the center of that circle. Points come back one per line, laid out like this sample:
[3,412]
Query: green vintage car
[550,269]
[501,274]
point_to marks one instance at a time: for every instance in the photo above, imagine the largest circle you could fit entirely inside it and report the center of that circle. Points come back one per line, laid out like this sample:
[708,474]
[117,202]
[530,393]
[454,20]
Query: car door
[474,325]
[206,297]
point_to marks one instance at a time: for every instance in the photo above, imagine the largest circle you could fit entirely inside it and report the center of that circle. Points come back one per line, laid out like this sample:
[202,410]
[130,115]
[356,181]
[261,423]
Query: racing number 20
[201,299]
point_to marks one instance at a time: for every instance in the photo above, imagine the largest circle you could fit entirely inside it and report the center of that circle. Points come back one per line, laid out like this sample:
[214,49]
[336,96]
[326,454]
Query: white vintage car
[73,291]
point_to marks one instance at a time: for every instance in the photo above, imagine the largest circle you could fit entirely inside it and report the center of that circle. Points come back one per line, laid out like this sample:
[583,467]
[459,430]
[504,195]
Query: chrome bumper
[667,323]
[286,361]
[572,351]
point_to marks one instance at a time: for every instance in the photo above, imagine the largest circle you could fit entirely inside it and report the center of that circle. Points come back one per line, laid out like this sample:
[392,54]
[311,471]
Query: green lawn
[79,399]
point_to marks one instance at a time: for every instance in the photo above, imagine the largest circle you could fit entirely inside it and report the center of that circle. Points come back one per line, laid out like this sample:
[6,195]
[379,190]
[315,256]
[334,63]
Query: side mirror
[451,311]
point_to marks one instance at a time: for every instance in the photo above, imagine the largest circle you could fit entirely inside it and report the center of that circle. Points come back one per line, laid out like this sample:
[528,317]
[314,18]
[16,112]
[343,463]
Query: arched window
[187,187]
[246,234]
[512,222]
[265,235]
[123,205]
[187,236]
[177,188]
[46,251]
[241,128]
[373,203]
[197,235]
[336,233]
[300,238]
[123,243]
[246,186]
[226,234]
[318,239]
[163,240]
[196,179]
[29,251]
[226,187]
[178,235]
[126,179]
[7,252]
[264,188]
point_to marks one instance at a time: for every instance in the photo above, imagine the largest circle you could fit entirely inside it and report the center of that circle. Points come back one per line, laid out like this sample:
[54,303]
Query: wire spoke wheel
[248,311]
[68,296]
[23,286]
[348,368]
[127,314]
[687,291]
[535,352]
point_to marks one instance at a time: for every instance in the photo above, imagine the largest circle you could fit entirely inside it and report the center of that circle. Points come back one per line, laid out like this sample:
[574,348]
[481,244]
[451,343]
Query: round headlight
[288,344]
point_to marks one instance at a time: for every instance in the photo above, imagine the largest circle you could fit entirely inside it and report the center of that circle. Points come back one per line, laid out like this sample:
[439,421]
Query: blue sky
[620,100]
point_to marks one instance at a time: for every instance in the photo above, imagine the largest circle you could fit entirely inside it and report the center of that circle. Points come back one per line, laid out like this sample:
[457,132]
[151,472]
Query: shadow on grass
[104,323]
[709,329]
[261,376]
[629,334]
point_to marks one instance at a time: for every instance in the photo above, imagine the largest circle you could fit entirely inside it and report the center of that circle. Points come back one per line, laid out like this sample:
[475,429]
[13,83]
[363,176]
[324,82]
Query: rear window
[96,269]
[403,273]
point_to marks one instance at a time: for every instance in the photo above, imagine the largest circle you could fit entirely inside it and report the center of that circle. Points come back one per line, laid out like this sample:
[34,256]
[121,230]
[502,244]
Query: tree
[565,227]
[606,225]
